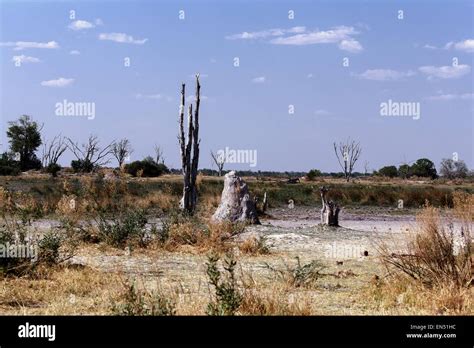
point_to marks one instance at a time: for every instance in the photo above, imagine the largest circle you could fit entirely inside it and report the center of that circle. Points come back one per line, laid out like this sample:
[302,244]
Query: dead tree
[189,150]
[90,155]
[121,150]
[329,211]
[219,160]
[159,158]
[347,155]
[53,150]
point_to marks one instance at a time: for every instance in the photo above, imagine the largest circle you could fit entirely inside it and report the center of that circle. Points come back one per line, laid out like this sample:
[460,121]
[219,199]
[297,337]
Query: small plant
[255,246]
[135,302]
[227,297]
[129,227]
[49,247]
[300,275]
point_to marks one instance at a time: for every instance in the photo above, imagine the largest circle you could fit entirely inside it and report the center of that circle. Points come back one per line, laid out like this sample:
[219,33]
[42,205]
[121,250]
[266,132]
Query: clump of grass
[255,246]
[435,255]
[276,299]
[434,271]
[299,275]
[128,227]
[181,230]
[400,295]
[135,302]
[227,297]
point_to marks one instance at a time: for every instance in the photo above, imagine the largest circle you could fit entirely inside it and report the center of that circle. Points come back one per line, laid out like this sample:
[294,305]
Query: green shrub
[53,169]
[8,166]
[82,166]
[313,174]
[147,167]
[388,171]
[138,302]
[49,246]
[127,228]
[227,297]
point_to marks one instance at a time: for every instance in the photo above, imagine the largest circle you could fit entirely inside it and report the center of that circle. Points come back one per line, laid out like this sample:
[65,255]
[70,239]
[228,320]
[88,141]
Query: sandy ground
[290,233]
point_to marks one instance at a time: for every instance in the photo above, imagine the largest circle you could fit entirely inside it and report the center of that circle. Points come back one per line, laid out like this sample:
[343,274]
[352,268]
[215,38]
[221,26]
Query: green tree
[424,168]
[313,174]
[25,138]
[404,171]
[388,171]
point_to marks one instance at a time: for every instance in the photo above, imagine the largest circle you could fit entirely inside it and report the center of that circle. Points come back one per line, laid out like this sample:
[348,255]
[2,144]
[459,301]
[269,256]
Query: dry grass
[61,291]
[434,272]
[401,295]
[255,246]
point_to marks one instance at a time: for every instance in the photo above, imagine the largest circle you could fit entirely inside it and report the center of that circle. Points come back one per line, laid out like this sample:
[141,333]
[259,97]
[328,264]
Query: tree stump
[236,204]
[329,211]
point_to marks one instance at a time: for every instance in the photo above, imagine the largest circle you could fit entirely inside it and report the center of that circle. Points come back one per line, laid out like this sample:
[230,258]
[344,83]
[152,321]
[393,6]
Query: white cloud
[466,45]
[430,47]
[384,75]
[99,21]
[24,59]
[148,96]
[80,25]
[322,112]
[21,45]
[74,52]
[448,97]
[60,82]
[445,72]
[299,36]
[260,79]
[350,45]
[309,76]
[265,33]
[121,38]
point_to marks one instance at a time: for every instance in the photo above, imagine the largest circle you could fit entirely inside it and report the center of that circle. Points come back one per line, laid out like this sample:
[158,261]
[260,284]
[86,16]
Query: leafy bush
[388,171]
[49,247]
[147,168]
[139,302]
[313,174]
[8,166]
[53,169]
[82,166]
[129,227]
[227,297]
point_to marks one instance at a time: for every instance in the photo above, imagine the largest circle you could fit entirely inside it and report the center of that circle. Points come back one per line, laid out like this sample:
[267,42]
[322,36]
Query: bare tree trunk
[329,211]
[189,150]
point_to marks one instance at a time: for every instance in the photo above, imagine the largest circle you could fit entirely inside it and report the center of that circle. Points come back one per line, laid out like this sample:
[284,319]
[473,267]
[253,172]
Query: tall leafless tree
[189,150]
[53,150]
[159,155]
[121,150]
[347,154]
[91,151]
[219,160]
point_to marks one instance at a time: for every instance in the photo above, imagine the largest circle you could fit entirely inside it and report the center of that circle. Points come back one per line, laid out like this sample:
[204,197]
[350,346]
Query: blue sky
[283,62]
